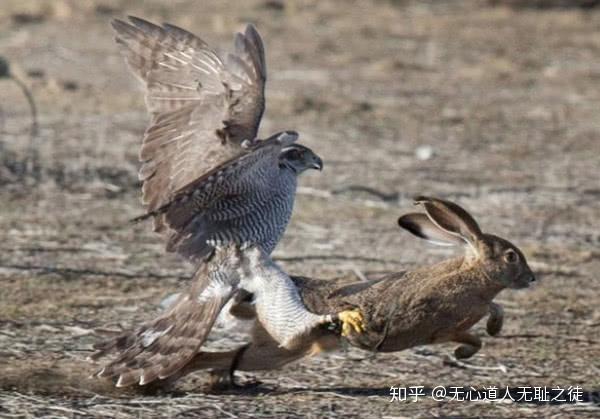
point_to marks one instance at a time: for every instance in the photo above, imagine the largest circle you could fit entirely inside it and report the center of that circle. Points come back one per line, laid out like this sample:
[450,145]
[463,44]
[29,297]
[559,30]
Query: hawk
[208,181]
[206,177]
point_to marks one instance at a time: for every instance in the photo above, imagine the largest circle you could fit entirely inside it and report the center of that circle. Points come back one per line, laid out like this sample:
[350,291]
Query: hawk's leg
[352,321]
[225,380]
[235,362]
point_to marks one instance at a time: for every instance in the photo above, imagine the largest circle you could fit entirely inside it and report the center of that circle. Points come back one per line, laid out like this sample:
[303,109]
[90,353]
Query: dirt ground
[494,107]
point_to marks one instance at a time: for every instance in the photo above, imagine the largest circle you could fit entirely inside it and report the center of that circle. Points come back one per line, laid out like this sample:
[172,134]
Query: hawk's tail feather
[137,363]
[161,348]
[111,345]
[107,346]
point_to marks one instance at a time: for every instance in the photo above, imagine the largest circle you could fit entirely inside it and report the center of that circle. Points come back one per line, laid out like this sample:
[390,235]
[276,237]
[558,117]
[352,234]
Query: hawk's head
[299,158]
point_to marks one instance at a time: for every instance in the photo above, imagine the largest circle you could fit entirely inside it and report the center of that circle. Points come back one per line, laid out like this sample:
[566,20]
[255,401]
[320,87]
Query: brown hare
[429,305]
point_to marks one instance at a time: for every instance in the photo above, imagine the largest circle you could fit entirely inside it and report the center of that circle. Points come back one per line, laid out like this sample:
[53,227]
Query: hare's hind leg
[470,345]
[262,353]
[222,365]
[496,319]
[217,361]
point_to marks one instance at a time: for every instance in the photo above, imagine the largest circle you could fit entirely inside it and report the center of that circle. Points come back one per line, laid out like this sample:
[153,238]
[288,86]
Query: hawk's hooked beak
[318,164]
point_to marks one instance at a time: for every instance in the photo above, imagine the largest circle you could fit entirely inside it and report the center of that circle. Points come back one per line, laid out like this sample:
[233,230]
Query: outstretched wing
[202,107]
[160,348]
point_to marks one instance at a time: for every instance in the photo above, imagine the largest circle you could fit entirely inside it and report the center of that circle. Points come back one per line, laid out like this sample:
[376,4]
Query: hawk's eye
[510,256]
[294,155]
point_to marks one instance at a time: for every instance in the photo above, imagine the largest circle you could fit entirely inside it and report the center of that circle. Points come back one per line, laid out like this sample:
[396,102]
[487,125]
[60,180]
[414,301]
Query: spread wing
[202,107]
[160,348]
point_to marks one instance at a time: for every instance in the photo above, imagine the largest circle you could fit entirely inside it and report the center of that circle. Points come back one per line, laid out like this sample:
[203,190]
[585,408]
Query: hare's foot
[470,345]
[496,319]
[352,322]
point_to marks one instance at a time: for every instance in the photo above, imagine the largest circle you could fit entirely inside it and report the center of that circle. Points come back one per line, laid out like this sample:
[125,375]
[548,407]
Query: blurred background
[493,104]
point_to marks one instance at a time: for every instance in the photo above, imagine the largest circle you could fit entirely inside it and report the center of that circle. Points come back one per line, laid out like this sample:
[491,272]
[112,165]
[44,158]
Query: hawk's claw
[352,321]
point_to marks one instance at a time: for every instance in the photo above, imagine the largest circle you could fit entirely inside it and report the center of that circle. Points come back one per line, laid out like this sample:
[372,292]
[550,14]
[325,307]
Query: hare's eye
[510,256]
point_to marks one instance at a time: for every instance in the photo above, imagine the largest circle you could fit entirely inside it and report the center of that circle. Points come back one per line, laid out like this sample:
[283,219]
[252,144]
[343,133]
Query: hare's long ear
[421,226]
[451,218]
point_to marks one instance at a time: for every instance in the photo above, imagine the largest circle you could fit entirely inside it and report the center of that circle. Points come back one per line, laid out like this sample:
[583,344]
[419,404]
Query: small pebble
[424,152]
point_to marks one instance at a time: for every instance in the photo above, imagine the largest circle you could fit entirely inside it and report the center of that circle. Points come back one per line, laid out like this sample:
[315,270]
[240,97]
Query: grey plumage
[249,201]
[279,307]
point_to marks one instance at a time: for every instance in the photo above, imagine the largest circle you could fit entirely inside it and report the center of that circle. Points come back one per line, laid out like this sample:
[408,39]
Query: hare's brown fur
[400,313]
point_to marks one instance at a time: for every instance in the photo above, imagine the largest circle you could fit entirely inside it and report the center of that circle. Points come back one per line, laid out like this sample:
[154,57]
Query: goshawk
[208,180]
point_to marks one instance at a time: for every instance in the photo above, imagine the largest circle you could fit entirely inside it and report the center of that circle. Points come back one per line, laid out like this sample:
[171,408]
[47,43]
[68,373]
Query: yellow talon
[352,320]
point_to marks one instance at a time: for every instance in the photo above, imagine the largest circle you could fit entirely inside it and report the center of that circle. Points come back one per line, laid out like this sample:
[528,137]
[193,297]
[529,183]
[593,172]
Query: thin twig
[384,196]
[71,323]
[456,363]
[545,336]
[32,106]
[91,272]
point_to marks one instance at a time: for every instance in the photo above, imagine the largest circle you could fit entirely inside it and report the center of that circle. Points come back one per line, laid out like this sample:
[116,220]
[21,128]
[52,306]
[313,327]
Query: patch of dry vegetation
[503,101]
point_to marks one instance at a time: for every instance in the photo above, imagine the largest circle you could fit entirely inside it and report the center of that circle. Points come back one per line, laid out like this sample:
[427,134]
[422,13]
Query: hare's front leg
[495,320]
[470,345]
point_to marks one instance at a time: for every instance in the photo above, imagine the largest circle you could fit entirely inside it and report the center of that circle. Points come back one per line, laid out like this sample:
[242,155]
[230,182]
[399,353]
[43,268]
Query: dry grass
[507,100]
